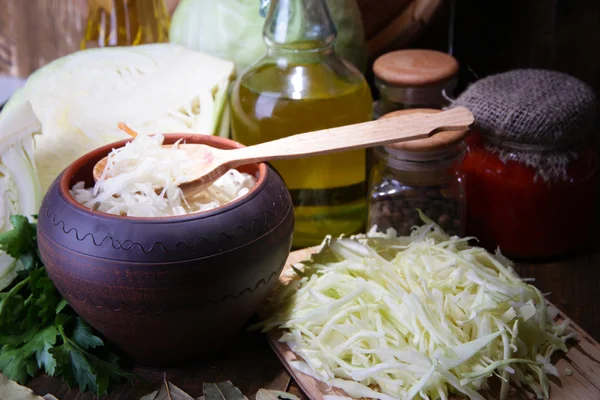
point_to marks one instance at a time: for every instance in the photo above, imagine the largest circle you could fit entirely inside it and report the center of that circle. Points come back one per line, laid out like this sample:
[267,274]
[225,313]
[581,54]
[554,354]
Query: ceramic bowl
[171,290]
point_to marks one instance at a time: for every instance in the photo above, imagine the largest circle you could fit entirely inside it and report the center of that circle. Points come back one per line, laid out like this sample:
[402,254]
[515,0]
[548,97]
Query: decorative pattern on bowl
[167,290]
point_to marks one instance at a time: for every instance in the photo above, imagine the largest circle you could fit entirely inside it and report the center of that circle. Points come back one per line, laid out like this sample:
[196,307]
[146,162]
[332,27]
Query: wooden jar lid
[415,67]
[438,141]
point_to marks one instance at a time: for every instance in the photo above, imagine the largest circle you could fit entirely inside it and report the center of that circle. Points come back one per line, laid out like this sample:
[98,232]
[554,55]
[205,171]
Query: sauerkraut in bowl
[141,180]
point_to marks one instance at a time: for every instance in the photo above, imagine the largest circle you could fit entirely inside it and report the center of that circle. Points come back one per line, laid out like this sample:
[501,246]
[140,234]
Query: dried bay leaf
[149,396]
[230,391]
[212,391]
[168,391]
[266,394]
[222,391]
[12,390]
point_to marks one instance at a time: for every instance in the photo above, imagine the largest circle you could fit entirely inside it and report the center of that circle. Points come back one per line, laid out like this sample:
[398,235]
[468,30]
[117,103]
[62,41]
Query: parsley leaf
[18,362]
[17,242]
[84,337]
[39,332]
[80,367]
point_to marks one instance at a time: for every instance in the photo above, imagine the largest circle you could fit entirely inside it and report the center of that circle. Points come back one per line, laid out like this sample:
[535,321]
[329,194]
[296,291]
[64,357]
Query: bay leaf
[266,394]
[211,391]
[149,396]
[222,391]
[168,391]
[230,391]
[12,390]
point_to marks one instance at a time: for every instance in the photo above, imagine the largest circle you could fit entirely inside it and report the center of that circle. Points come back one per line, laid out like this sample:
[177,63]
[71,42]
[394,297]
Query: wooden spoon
[326,141]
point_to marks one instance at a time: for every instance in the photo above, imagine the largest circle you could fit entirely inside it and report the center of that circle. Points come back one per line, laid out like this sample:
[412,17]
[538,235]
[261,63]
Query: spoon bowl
[216,162]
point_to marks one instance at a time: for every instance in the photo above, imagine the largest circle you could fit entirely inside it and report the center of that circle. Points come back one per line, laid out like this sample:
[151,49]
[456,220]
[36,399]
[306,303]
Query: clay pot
[169,290]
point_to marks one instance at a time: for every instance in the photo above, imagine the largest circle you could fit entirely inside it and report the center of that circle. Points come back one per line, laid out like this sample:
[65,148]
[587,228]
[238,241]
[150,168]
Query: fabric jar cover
[535,117]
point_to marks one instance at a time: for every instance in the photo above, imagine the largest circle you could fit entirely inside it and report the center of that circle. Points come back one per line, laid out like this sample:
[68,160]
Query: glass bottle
[125,23]
[301,85]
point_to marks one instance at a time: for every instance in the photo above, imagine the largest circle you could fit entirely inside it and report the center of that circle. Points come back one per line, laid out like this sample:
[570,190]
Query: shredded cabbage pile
[424,316]
[134,172]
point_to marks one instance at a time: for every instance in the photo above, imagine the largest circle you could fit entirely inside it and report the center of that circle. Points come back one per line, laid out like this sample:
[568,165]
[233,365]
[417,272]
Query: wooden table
[573,283]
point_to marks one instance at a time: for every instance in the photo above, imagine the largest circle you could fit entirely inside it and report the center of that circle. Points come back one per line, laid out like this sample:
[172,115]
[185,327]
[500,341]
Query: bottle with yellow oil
[125,23]
[301,85]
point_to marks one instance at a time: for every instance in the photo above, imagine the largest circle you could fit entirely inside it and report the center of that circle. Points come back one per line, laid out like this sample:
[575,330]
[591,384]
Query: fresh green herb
[39,332]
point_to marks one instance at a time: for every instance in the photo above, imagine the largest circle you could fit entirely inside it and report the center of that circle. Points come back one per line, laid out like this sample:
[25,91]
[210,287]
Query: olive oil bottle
[125,23]
[300,86]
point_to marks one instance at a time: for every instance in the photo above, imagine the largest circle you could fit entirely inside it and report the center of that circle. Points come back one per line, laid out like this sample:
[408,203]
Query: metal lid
[439,141]
[415,67]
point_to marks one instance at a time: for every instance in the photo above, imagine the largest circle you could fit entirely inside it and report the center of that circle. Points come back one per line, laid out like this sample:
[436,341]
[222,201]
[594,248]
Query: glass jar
[511,207]
[414,79]
[531,170]
[418,175]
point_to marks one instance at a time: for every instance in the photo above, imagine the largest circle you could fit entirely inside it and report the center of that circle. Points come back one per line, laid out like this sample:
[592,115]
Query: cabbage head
[232,29]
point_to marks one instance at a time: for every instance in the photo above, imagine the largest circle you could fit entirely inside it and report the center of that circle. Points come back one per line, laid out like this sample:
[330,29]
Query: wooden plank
[582,359]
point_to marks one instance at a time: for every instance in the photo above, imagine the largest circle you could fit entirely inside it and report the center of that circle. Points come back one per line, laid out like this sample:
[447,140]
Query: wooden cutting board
[582,360]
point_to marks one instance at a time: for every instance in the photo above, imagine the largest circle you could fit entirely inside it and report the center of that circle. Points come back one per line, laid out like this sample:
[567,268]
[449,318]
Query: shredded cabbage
[423,316]
[134,172]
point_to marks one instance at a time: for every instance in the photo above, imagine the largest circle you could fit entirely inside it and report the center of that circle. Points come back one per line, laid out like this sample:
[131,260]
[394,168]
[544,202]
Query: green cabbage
[79,99]
[232,29]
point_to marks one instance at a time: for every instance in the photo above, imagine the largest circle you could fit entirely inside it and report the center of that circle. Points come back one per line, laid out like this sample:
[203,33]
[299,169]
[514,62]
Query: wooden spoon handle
[349,137]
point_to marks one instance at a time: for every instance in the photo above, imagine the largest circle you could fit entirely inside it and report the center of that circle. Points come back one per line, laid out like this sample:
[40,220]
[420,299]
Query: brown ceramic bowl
[172,290]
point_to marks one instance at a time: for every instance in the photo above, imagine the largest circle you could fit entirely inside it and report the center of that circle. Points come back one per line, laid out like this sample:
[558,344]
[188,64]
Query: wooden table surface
[572,284]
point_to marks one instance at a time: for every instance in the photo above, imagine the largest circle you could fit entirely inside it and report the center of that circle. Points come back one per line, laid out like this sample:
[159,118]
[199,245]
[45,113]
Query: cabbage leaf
[20,192]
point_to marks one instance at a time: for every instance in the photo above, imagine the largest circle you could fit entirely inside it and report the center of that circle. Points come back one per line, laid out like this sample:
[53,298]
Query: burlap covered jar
[530,169]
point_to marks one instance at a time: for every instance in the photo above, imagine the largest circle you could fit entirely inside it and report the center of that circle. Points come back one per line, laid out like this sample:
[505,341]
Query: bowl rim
[70,171]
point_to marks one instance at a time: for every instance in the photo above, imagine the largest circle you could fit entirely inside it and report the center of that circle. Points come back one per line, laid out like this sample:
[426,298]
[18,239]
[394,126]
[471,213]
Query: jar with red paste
[531,171]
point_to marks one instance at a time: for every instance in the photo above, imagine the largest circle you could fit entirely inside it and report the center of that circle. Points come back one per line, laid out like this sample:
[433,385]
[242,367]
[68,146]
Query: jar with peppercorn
[530,173]
[414,78]
[418,175]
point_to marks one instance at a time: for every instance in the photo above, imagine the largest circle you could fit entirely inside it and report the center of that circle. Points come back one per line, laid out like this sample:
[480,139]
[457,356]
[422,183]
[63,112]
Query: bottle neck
[299,26]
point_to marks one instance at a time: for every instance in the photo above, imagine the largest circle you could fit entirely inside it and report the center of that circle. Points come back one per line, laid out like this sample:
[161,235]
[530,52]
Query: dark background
[495,36]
